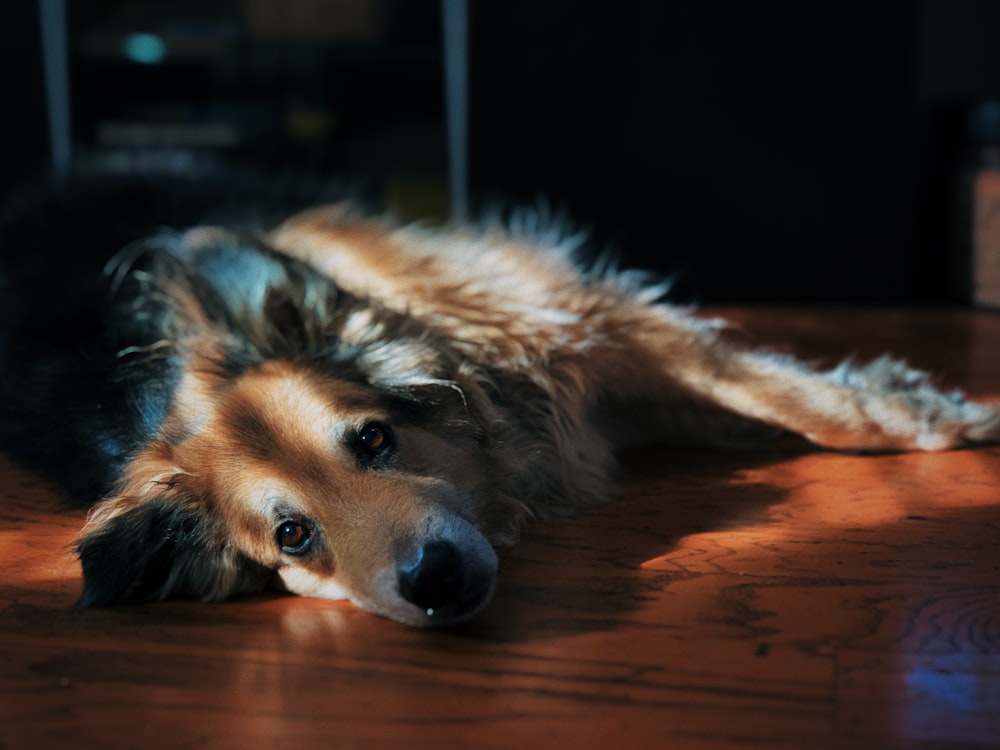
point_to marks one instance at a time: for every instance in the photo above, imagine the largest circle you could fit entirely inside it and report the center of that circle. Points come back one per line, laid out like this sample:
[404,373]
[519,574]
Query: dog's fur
[352,409]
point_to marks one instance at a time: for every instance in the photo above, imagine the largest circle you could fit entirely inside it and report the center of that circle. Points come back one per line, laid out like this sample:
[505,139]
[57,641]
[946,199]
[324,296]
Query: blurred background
[775,151]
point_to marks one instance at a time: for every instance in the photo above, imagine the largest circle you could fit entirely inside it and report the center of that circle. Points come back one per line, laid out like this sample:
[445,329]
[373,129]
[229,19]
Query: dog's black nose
[434,579]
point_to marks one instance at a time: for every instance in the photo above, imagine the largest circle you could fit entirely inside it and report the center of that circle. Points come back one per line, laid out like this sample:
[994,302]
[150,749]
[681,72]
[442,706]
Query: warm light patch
[830,492]
[32,549]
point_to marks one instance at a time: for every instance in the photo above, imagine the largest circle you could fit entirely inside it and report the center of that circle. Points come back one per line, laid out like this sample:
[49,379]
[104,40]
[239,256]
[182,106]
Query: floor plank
[777,597]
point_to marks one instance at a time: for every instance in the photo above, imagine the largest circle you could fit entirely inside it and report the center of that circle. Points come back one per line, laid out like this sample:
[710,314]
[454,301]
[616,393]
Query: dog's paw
[954,423]
[899,408]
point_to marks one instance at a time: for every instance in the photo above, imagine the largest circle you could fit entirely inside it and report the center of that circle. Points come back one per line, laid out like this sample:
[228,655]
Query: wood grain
[778,597]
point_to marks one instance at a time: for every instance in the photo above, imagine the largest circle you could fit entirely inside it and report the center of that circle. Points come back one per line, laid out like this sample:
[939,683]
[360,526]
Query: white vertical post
[55,58]
[455,17]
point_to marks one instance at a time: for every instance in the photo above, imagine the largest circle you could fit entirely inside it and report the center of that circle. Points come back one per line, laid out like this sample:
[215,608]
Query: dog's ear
[279,303]
[159,549]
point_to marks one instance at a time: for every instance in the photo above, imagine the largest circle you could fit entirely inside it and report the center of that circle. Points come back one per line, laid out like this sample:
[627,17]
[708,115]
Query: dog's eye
[293,537]
[373,445]
[375,437]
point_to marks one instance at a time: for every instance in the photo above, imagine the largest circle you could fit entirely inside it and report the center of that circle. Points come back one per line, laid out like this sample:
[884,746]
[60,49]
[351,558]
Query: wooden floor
[771,598]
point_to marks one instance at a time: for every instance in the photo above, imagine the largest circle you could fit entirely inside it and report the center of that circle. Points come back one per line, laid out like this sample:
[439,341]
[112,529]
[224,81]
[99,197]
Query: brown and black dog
[351,409]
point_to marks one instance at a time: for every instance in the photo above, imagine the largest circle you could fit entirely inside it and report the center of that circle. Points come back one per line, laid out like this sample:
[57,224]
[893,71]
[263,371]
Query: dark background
[760,152]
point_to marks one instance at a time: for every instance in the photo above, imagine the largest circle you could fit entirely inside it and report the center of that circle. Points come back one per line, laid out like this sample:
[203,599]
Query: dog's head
[310,444]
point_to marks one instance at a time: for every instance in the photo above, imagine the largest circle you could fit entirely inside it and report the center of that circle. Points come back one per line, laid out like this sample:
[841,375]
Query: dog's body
[358,410]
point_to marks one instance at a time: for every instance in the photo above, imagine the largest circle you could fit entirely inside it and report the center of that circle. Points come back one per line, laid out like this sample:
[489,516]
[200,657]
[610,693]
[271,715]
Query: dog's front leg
[883,406]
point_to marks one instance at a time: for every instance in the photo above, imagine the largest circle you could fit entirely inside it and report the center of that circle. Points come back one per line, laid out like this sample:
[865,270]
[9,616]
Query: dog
[341,406]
